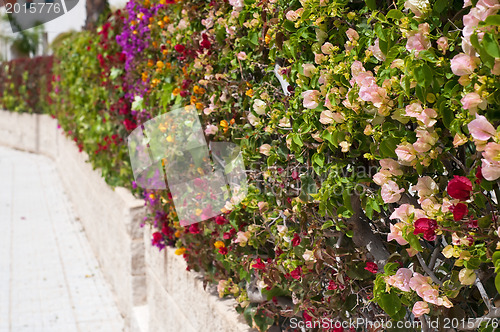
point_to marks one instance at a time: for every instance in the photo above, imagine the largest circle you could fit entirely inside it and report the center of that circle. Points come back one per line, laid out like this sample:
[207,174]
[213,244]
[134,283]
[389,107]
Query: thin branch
[483,293]
[427,270]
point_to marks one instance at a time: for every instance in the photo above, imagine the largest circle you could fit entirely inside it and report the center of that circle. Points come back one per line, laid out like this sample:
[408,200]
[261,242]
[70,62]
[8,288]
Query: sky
[72,20]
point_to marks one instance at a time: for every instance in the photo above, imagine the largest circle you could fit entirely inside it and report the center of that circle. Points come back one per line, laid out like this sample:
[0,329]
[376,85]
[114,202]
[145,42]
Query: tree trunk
[95,9]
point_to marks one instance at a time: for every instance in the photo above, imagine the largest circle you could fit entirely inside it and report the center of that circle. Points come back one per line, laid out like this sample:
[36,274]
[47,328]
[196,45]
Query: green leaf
[249,313]
[496,258]
[413,241]
[424,76]
[440,6]
[390,303]
[388,147]
[490,45]
[263,321]
[327,224]
[491,20]
[371,4]
[319,159]
[395,14]
[497,282]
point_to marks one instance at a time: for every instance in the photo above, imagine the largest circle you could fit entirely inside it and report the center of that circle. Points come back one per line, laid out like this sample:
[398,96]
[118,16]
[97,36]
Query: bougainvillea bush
[370,132]
[25,84]
[89,97]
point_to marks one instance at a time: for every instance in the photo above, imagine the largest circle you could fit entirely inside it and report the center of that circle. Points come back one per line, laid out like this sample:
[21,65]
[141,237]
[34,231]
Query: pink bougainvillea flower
[463,64]
[391,165]
[420,308]
[211,130]
[309,69]
[391,193]
[371,267]
[405,211]
[481,129]
[459,210]
[375,49]
[492,152]
[401,279]
[442,44]
[472,101]
[406,153]
[490,170]
[427,227]
[352,34]
[311,98]
[459,187]
[417,42]
[425,187]
[397,234]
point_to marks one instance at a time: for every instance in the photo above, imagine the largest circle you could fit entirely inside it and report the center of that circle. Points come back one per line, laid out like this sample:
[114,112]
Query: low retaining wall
[153,290]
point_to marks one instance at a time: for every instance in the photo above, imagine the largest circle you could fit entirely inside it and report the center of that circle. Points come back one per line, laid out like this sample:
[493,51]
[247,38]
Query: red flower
[332,285]
[194,229]
[295,175]
[479,175]
[427,227]
[459,211]
[220,220]
[205,43]
[180,48]
[372,267]
[460,188]
[259,265]
[307,317]
[223,250]
[296,240]
[295,274]
[157,238]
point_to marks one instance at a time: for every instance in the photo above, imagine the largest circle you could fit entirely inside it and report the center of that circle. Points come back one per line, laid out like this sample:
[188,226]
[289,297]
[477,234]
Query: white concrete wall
[153,290]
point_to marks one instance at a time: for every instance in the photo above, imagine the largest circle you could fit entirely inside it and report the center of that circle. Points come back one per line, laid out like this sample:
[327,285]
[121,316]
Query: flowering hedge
[370,135]
[25,84]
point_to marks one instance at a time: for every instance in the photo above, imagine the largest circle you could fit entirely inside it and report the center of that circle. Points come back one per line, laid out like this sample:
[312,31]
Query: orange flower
[198,90]
[180,251]
[199,106]
[224,124]
[150,63]
[193,99]
[249,93]
[219,244]
[232,121]
[176,91]
[160,64]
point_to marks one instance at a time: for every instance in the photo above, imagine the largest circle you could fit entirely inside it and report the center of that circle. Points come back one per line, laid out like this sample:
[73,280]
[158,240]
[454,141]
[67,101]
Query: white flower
[259,106]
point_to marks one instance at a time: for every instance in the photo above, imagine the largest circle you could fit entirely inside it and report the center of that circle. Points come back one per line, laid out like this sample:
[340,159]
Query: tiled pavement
[49,277]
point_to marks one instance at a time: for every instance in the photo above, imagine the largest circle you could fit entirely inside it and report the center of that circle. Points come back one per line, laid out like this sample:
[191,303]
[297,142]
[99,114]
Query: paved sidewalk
[49,277]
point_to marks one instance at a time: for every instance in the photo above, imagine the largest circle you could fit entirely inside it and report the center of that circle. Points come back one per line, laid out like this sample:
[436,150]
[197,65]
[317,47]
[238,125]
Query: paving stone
[49,278]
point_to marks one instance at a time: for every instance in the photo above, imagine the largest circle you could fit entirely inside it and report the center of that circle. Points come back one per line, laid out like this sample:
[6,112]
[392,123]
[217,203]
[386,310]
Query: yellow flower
[166,19]
[198,212]
[199,106]
[176,91]
[219,244]
[180,251]
[267,39]
[159,64]
[177,233]
[170,139]
[152,196]
[224,124]
[198,90]
[249,93]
